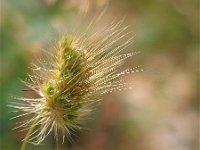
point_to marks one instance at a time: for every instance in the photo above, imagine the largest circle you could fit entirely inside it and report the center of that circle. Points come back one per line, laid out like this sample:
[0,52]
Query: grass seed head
[82,69]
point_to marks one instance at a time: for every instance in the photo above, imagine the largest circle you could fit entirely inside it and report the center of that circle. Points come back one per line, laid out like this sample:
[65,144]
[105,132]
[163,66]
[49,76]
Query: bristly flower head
[82,69]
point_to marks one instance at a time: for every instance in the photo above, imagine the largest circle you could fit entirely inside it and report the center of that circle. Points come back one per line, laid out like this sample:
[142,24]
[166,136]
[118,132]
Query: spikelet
[82,69]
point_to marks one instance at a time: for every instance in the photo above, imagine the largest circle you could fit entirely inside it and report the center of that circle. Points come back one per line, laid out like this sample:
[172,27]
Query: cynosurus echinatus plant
[82,68]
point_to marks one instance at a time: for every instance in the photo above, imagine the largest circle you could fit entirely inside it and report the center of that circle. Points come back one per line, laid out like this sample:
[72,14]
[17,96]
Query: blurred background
[160,112]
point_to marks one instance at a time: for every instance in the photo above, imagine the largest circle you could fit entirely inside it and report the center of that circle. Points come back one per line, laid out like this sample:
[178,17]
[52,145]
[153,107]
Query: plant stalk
[28,134]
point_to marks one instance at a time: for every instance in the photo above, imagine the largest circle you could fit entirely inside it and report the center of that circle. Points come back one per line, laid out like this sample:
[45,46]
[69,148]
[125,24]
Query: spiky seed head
[82,69]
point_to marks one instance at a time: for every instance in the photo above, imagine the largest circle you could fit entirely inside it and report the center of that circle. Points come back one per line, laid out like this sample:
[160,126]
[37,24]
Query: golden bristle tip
[82,69]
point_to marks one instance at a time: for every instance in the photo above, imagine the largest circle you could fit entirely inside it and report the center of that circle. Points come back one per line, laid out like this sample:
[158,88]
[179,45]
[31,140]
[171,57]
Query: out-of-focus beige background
[160,112]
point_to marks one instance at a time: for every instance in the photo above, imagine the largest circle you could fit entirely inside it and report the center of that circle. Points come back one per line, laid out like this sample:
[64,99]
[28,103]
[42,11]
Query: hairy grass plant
[82,68]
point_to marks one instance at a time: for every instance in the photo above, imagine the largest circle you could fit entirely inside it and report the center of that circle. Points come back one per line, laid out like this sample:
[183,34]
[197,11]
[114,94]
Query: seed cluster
[64,92]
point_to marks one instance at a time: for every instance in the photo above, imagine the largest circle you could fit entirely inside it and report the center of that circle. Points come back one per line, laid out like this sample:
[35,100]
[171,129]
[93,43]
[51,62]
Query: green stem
[57,145]
[28,134]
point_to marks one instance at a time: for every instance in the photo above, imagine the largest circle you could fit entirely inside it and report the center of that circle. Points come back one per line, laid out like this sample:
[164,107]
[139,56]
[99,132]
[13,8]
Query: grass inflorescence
[81,70]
